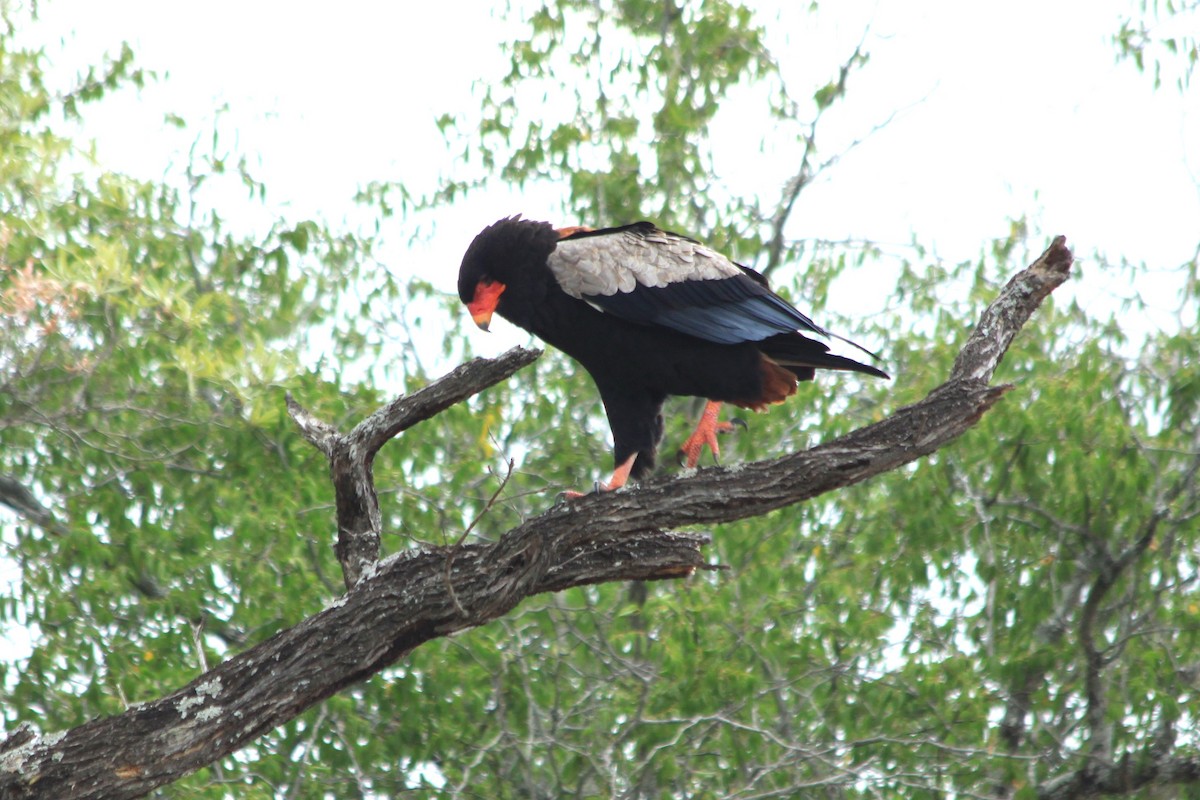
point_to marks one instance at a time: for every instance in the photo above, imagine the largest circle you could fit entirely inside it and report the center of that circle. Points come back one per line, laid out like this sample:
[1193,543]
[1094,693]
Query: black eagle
[649,314]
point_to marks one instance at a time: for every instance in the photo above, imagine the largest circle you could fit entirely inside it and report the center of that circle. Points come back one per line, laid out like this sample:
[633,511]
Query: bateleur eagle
[648,314]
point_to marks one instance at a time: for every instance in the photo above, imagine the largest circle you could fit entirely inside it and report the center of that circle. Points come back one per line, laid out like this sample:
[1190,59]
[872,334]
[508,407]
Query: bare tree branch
[397,604]
[17,497]
[1100,769]
[351,456]
[1001,320]
[1124,777]
[807,172]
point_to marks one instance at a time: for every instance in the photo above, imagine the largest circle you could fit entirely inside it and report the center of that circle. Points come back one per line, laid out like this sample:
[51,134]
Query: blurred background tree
[1014,617]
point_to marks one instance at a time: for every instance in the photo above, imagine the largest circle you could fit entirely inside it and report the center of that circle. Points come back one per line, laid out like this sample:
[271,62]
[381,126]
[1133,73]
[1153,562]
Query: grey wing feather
[637,255]
[649,276]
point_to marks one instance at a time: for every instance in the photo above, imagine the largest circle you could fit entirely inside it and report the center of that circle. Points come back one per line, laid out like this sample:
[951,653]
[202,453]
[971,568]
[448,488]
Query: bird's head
[485,296]
[502,259]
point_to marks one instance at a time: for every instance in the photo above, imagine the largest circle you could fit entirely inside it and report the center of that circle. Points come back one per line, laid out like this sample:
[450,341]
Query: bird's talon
[738,422]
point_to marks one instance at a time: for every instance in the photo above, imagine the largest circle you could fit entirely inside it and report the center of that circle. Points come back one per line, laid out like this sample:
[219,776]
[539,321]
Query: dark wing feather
[652,277]
[726,310]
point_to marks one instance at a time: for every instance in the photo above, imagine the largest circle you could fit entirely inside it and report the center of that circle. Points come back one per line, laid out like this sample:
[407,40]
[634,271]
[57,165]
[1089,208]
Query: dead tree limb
[352,455]
[396,604]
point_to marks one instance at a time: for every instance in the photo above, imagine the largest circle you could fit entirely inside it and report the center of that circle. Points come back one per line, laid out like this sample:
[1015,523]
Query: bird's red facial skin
[487,295]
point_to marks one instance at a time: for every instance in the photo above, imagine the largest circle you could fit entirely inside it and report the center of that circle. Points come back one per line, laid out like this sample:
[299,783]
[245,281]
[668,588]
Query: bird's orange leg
[705,435]
[619,477]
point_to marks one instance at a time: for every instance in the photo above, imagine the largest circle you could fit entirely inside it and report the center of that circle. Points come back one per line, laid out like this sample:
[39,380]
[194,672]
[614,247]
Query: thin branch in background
[22,501]
[804,175]
[487,507]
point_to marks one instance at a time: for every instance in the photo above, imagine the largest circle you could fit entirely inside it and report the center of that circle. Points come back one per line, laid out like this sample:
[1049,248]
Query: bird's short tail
[803,356]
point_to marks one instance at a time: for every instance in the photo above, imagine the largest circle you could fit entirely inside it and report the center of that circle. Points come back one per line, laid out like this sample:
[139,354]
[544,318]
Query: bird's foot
[705,435]
[619,477]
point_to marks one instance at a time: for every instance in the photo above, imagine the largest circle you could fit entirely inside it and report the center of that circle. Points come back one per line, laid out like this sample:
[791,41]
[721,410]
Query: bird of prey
[648,314]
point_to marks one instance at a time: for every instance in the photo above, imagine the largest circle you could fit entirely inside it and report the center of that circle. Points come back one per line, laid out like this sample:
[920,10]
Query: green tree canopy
[1013,615]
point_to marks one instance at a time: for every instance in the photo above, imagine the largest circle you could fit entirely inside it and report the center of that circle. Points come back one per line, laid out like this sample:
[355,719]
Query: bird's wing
[652,277]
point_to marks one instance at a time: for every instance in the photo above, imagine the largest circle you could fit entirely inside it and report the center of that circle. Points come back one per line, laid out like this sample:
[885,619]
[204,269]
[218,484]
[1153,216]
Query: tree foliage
[1014,616]
[1162,36]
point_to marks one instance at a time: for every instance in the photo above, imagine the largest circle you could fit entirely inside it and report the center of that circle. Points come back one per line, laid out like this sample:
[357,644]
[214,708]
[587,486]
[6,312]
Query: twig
[466,532]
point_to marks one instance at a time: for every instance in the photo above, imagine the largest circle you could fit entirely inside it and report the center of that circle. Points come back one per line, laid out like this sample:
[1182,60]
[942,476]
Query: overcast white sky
[1019,108]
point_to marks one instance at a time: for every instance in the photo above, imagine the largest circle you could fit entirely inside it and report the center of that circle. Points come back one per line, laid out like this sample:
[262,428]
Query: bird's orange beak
[487,295]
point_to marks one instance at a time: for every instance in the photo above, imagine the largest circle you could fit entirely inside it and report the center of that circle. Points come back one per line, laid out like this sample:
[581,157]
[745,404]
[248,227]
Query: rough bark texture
[395,605]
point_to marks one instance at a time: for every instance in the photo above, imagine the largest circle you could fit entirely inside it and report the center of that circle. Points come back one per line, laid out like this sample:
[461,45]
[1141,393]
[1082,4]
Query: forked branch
[396,604]
[351,455]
